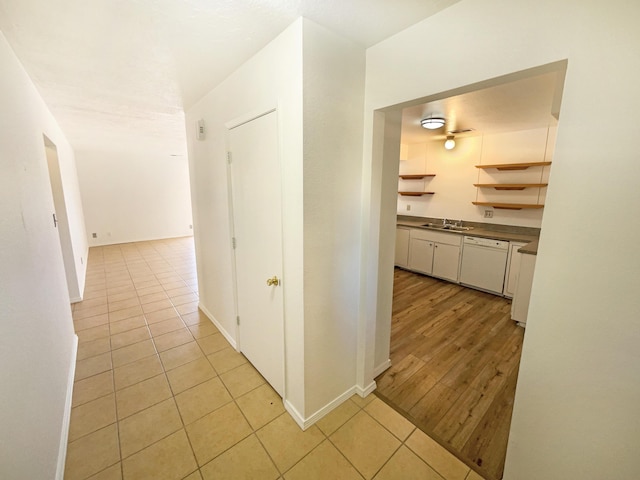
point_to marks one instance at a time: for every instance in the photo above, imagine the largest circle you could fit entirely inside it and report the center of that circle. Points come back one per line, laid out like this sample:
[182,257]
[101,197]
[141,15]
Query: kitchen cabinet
[421,255]
[446,261]
[434,253]
[513,269]
[522,294]
[402,247]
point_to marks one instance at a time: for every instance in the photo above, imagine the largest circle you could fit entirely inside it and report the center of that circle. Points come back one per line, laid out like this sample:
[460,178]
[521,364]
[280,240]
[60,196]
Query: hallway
[160,394]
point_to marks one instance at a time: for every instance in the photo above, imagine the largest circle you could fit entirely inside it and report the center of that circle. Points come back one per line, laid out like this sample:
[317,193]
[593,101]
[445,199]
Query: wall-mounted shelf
[417,176]
[509,206]
[515,166]
[510,186]
[415,194]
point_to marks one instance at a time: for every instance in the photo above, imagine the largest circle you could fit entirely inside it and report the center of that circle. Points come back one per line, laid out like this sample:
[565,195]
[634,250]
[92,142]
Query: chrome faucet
[444,222]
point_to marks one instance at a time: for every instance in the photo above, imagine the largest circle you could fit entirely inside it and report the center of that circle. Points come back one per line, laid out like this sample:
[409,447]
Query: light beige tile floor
[160,394]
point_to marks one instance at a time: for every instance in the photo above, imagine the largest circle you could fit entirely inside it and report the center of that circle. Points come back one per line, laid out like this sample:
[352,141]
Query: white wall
[37,341]
[333,93]
[272,78]
[130,195]
[456,174]
[576,407]
[316,80]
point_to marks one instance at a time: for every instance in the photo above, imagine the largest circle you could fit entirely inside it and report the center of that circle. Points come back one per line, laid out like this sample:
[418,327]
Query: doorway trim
[379,198]
[60,218]
[230,125]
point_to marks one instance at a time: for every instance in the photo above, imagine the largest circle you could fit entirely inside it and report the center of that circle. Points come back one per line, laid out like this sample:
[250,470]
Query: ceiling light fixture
[449,143]
[432,123]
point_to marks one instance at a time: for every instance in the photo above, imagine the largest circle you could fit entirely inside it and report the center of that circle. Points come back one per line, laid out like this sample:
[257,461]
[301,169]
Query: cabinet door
[520,304]
[513,269]
[421,255]
[446,261]
[402,247]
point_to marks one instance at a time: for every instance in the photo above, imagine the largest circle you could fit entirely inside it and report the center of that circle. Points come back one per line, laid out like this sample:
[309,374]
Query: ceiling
[526,103]
[119,73]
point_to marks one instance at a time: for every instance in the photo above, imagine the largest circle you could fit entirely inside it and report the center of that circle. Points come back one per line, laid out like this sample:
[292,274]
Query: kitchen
[468,221]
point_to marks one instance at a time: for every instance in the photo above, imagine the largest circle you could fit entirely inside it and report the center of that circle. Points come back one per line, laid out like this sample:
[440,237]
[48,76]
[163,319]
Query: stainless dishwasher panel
[484,262]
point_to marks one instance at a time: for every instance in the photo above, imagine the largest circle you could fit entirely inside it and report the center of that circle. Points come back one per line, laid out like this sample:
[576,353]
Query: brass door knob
[273,281]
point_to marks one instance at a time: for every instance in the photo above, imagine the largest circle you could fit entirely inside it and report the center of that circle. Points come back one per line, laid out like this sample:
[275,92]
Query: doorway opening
[60,220]
[454,351]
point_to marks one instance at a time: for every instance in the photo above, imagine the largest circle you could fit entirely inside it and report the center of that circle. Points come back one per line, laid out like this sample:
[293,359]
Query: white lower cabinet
[421,255]
[438,254]
[522,294]
[513,269]
[402,246]
[435,253]
[446,261]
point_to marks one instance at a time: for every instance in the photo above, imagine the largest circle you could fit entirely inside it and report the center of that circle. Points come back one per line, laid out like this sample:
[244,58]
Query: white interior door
[257,216]
[60,219]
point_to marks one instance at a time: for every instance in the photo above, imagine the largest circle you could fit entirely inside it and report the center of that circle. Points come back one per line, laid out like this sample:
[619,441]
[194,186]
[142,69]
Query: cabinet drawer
[439,237]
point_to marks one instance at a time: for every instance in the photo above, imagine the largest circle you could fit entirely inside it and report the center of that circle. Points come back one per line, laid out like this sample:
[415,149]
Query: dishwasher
[484,261]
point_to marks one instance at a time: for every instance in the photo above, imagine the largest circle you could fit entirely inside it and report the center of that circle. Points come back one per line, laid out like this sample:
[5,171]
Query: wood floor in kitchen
[455,354]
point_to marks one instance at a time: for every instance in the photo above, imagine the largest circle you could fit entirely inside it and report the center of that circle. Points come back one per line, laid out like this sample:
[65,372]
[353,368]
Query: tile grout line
[112,369]
[235,401]
[173,396]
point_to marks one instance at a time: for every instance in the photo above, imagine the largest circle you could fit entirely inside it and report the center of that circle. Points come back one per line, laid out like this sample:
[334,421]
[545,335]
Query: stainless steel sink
[453,228]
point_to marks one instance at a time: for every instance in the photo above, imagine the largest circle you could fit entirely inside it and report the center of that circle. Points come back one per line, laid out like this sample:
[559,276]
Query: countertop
[484,231]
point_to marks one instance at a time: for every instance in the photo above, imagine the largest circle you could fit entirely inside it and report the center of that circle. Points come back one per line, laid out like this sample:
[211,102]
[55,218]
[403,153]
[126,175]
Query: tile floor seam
[342,453]
[165,373]
[328,437]
[403,443]
[264,447]
[125,457]
[175,403]
[115,400]
[362,409]
[310,452]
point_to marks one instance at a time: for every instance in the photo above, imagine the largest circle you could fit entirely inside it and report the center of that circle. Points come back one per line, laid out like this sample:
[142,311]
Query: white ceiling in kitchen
[121,72]
[525,103]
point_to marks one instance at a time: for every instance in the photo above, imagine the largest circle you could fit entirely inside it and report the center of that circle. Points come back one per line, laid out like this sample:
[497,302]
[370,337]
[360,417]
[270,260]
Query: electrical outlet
[191,227]
[488,214]
[94,235]
[81,261]
[408,207]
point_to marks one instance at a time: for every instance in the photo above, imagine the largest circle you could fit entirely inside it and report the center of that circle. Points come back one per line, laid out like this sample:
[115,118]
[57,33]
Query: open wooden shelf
[415,194]
[417,176]
[515,166]
[510,186]
[509,206]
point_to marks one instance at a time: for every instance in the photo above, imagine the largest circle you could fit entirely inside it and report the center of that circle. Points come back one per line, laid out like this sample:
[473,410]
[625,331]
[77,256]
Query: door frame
[230,125]
[381,217]
[63,231]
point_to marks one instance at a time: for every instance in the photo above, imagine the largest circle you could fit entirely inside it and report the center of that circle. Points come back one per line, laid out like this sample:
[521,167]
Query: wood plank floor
[455,354]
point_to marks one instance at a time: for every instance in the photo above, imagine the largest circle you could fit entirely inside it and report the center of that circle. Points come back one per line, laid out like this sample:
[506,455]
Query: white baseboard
[305,423]
[364,391]
[329,407]
[381,368]
[224,333]
[295,414]
[75,299]
[66,419]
